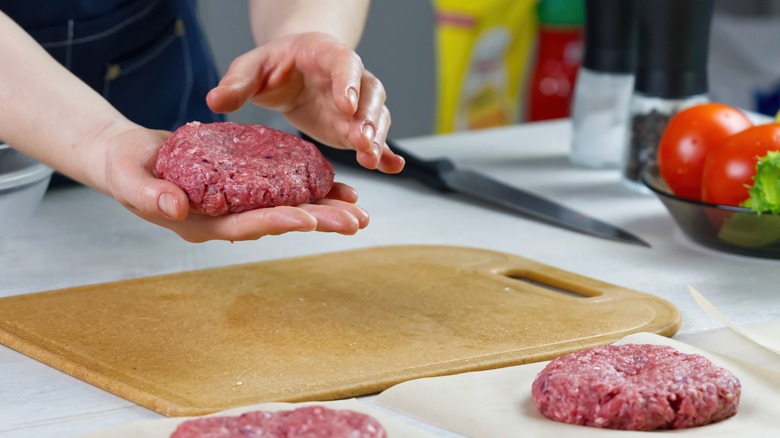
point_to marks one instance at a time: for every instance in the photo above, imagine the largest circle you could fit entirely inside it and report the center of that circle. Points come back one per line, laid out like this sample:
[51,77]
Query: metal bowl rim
[22,177]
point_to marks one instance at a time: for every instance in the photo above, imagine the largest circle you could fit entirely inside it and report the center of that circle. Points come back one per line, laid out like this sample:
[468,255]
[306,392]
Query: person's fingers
[156,197]
[390,162]
[383,126]
[248,75]
[333,217]
[153,199]
[346,69]
[329,215]
[342,192]
[351,208]
[365,122]
[249,225]
[366,159]
[223,99]
[133,185]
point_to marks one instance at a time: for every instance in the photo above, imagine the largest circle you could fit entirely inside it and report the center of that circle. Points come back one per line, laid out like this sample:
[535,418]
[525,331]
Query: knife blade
[442,175]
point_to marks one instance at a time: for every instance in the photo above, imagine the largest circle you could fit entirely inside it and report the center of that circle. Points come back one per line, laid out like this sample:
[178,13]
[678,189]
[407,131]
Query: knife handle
[428,172]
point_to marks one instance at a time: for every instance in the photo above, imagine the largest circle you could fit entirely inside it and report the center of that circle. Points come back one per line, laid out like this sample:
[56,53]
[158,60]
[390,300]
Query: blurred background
[426,53]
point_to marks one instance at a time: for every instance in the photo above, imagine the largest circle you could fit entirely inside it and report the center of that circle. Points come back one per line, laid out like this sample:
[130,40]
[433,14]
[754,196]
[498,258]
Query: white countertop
[78,236]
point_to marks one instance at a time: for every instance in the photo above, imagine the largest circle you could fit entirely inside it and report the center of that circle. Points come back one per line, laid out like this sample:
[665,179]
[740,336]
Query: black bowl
[733,229]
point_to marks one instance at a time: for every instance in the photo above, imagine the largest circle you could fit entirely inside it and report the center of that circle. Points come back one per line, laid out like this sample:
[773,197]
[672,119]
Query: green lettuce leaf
[765,193]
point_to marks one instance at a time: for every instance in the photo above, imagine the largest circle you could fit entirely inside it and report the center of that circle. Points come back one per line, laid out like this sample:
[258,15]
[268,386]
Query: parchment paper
[165,427]
[765,336]
[498,403]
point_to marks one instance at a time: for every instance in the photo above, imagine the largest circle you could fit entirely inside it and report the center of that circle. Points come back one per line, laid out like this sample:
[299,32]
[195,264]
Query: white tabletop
[78,236]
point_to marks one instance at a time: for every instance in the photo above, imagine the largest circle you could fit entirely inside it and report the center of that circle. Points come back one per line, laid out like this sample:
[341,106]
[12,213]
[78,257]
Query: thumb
[247,75]
[170,203]
[152,197]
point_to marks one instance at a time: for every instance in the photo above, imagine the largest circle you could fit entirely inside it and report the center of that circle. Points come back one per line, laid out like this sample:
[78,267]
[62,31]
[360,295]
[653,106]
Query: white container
[605,83]
[599,117]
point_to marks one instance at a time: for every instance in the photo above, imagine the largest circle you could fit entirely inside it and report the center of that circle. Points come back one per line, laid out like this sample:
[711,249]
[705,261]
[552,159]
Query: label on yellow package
[482,50]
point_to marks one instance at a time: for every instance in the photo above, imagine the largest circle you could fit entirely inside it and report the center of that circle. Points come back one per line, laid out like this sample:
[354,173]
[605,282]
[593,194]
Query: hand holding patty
[130,158]
[321,87]
[318,82]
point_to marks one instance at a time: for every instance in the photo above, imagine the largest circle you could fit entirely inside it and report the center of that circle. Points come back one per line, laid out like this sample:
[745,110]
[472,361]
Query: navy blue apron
[149,58]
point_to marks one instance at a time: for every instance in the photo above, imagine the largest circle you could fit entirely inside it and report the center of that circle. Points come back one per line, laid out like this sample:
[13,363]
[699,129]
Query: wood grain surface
[320,327]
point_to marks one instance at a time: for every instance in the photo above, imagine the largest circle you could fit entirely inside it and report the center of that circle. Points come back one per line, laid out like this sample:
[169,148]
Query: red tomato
[687,139]
[731,166]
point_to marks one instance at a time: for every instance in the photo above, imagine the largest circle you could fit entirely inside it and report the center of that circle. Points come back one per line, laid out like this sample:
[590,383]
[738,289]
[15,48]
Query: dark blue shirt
[149,58]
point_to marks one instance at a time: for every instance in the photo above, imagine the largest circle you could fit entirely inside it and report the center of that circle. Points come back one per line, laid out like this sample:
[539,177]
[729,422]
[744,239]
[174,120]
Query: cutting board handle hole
[540,282]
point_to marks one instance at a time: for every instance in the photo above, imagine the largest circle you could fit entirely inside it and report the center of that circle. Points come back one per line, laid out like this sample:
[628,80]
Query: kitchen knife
[442,175]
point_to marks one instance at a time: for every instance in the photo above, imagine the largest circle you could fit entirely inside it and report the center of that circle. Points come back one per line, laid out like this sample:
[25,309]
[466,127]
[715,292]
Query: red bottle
[558,57]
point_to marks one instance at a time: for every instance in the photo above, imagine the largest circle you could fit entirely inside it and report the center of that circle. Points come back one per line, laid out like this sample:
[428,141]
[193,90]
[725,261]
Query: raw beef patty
[635,387]
[229,167]
[306,422]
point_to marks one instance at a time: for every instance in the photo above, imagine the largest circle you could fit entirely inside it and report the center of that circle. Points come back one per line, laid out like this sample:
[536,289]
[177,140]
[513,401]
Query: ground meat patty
[635,387]
[305,422]
[230,167]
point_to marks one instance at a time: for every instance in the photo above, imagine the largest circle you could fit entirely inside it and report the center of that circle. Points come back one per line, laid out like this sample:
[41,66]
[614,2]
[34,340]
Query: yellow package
[482,50]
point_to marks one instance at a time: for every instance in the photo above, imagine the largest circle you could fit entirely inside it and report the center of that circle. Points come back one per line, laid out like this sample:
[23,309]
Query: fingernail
[368,132]
[353,98]
[377,151]
[167,204]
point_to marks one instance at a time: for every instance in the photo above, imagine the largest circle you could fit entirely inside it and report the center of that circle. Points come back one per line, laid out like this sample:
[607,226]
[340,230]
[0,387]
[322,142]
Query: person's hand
[128,176]
[321,87]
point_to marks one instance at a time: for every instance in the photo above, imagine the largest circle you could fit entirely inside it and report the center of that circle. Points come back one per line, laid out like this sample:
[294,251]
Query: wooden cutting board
[320,327]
